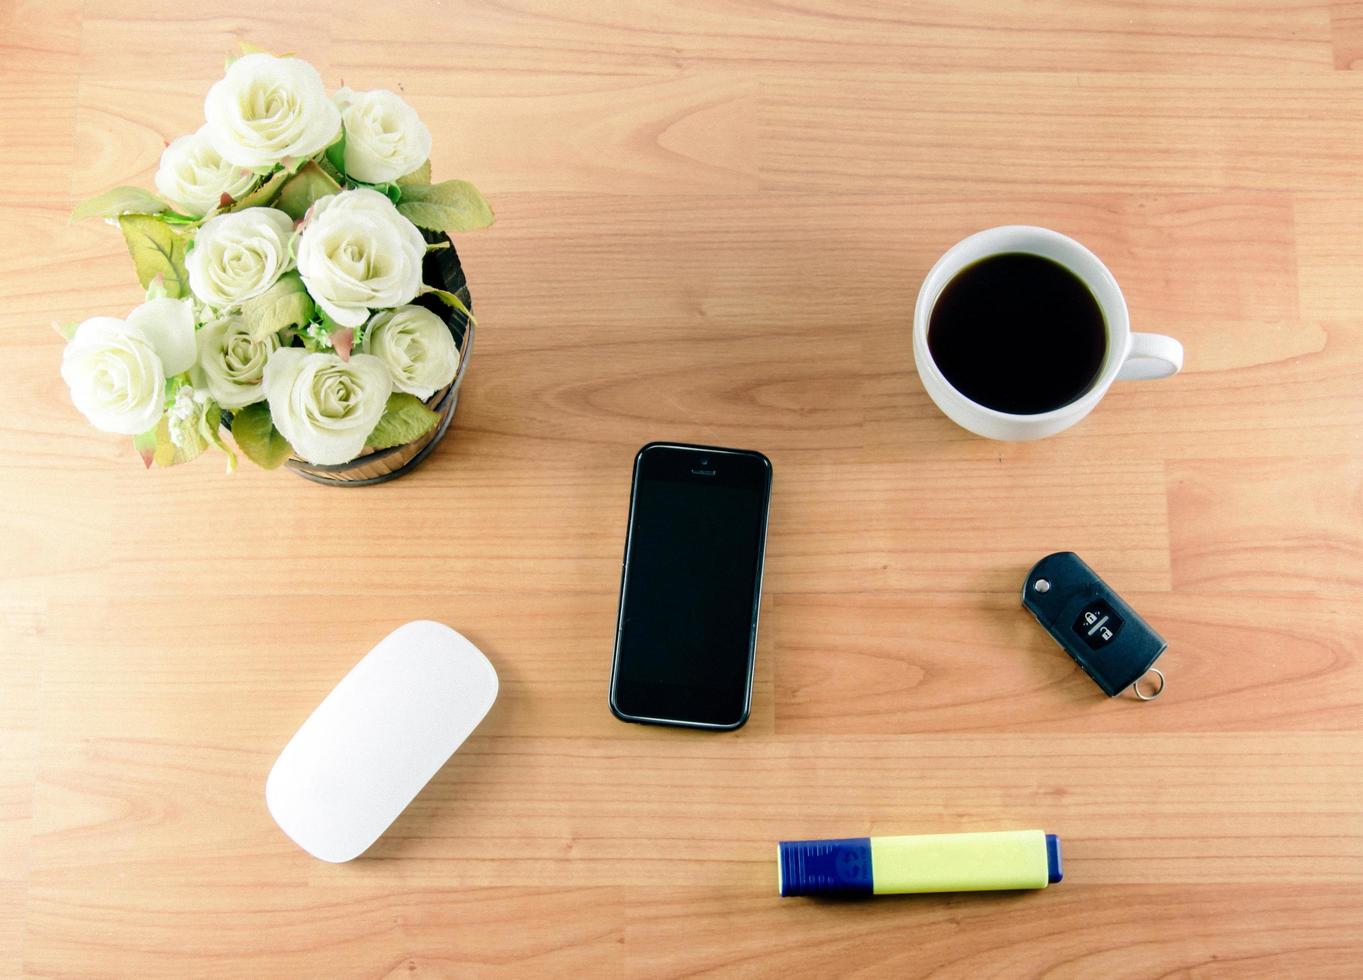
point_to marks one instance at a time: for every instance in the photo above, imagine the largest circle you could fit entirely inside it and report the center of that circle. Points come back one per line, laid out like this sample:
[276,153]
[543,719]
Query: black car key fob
[1093,624]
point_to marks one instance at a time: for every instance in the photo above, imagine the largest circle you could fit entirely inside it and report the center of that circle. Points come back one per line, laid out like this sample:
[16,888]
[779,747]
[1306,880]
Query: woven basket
[442,270]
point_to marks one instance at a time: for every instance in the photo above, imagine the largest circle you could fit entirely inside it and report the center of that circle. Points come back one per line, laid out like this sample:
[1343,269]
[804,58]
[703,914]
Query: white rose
[194,176]
[269,109]
[168,325]
[116,369]
[231,365]
[239,255]
[417,348]
[384,137]
[324,406]
[357,253]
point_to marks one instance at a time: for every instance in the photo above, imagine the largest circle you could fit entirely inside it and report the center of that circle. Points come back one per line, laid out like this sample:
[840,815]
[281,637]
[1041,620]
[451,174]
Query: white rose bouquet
[283,266]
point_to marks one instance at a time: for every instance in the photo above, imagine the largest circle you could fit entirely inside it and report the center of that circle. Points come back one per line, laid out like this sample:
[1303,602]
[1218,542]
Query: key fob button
[1098,624]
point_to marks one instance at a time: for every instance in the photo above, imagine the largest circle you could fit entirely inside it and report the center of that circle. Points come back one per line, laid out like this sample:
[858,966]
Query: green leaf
[299,191]
[336,154]
[169,454]
[157,250]
[145,444]
[421,175]
[257,437]
[208,428]
[65,330]
[294,164]
[405,418]
[157,289]
[263,193]
[120,200]
[285,304]
[450,299]
[450,206]
[329,169]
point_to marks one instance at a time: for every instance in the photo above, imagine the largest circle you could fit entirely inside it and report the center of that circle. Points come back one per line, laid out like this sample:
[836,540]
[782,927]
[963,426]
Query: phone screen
[691,586]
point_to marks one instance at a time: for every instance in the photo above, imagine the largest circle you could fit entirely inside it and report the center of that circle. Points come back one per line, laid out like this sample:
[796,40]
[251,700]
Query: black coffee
[1018,333]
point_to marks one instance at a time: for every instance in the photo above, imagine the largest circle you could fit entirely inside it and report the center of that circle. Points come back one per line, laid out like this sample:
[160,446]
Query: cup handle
[1152,355]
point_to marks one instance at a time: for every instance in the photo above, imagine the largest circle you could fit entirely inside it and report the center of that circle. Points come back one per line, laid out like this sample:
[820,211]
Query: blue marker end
[825,867]
[1054,873]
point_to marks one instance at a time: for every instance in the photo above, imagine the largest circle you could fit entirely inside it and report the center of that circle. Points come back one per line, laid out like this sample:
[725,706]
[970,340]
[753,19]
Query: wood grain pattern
[713,219]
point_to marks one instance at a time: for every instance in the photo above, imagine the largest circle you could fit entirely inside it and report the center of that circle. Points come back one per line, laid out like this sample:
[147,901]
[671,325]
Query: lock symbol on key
[1098,623]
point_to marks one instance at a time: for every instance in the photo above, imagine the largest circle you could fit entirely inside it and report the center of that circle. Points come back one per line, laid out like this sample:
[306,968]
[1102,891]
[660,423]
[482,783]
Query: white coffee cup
[1129,355]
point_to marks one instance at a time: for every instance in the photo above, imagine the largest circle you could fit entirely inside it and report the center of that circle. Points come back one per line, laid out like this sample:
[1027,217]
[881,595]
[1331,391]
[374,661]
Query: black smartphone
[686,634]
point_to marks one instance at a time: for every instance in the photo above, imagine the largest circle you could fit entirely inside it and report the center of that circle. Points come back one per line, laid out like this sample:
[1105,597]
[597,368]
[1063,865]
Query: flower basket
[442,270]
[305,304]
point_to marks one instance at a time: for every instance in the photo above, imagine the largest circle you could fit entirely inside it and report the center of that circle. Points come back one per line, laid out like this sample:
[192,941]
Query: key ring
[1136,687]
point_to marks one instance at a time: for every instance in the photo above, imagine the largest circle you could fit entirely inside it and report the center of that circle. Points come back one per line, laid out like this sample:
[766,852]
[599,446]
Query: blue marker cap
[1054,872]
[825,867]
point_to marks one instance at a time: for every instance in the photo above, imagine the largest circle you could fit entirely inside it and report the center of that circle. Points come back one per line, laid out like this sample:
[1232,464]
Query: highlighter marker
[922,863]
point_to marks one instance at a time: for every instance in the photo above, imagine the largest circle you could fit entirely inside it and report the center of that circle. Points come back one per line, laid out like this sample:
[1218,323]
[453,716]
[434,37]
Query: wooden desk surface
[713,219]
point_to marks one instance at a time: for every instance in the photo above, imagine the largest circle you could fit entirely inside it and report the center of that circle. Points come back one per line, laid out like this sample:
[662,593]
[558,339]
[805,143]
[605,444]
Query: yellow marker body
[959,862]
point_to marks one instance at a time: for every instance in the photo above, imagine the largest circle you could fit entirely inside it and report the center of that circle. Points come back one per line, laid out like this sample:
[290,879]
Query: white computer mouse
[378,738]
